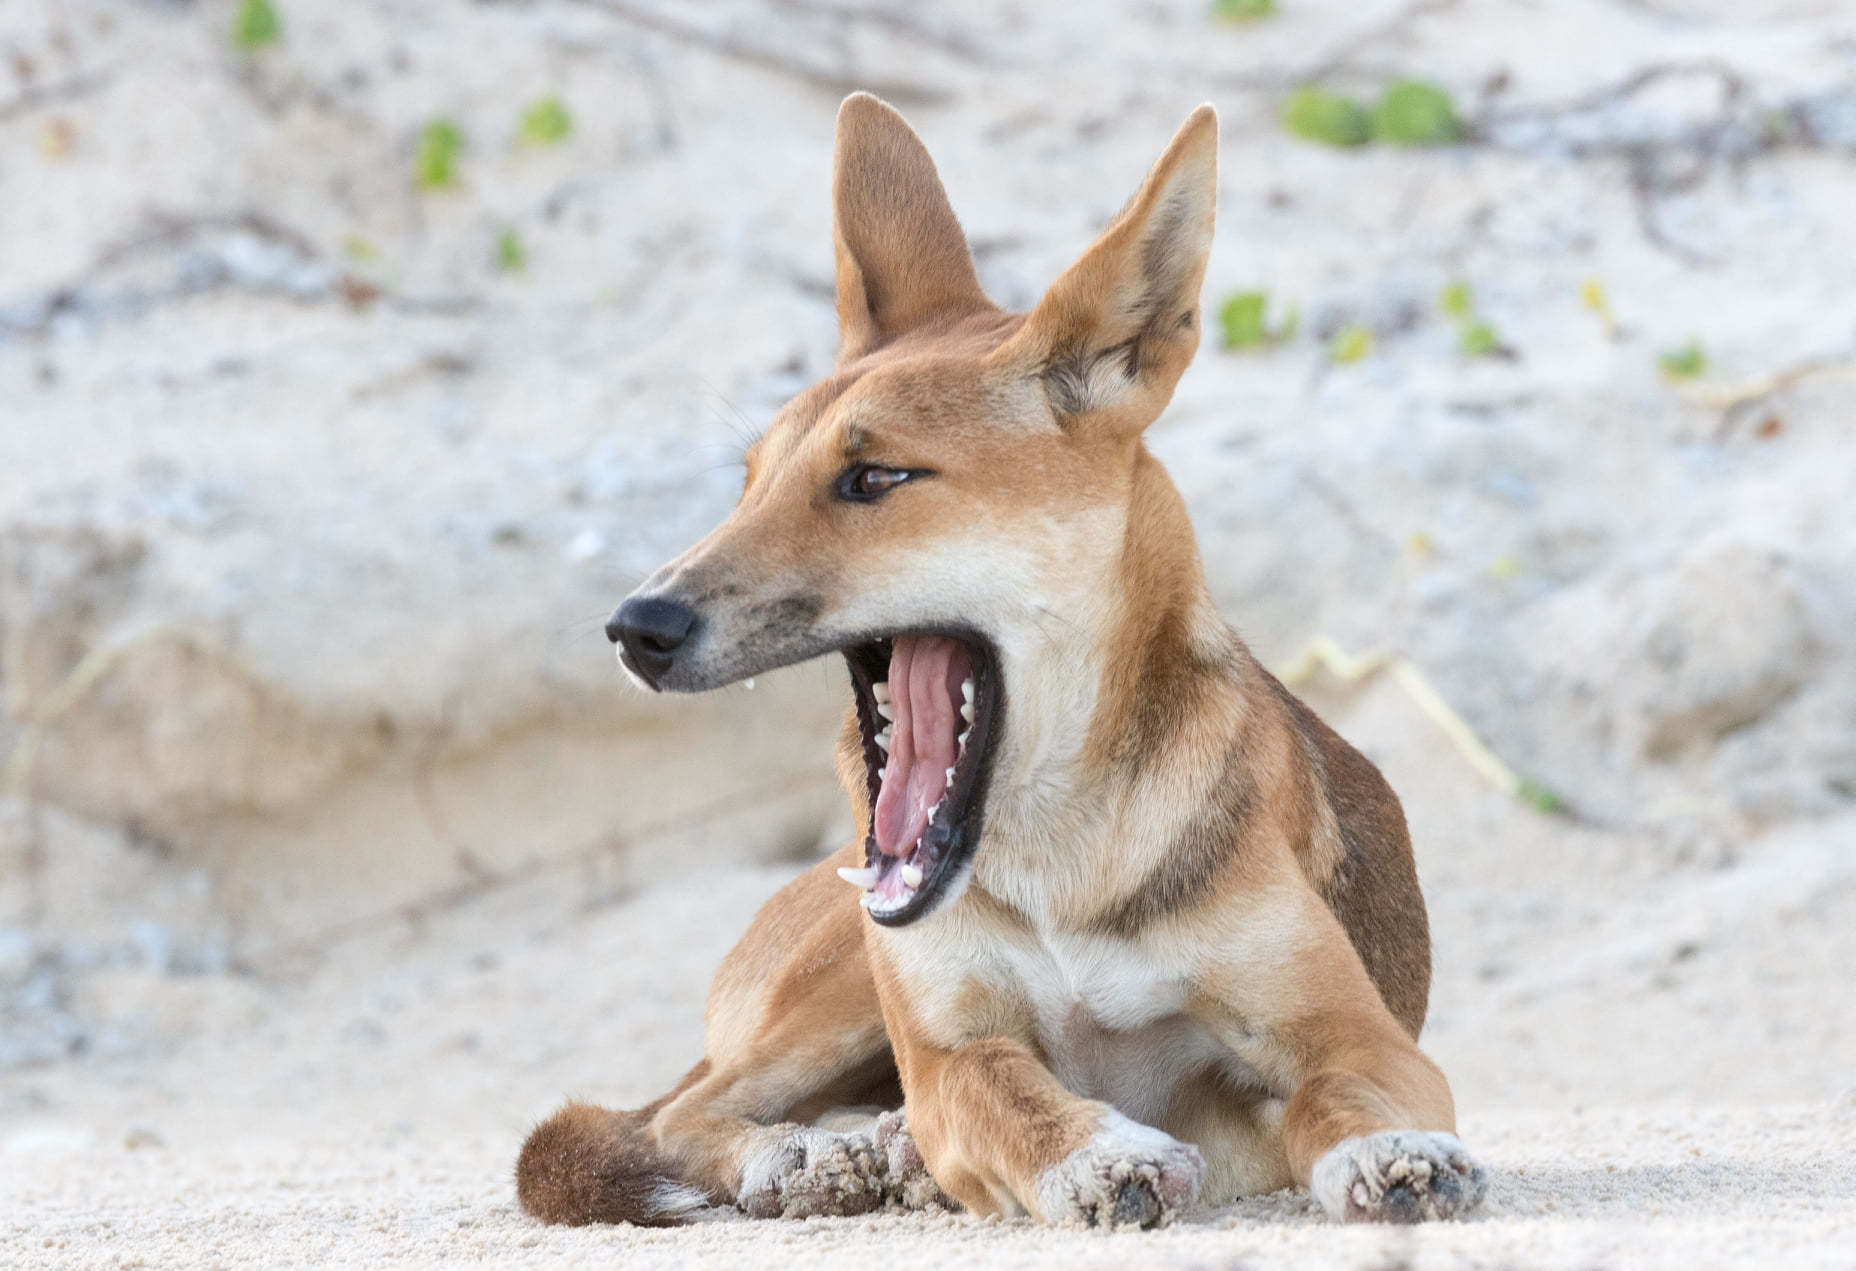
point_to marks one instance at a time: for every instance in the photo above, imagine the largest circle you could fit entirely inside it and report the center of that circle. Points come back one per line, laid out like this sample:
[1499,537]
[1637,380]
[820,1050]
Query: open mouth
[927,707]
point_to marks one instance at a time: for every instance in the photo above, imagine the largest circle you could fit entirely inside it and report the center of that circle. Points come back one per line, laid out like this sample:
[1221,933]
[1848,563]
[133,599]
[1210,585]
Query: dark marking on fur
[1186,874]
[1374,889]
[784,616]
[1167,688]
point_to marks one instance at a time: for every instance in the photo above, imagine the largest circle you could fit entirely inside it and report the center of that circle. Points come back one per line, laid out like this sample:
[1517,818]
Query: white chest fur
[1109,1017]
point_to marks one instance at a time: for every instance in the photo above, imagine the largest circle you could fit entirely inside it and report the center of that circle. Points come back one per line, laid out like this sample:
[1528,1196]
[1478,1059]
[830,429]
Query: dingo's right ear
[902,258]
[1112,336]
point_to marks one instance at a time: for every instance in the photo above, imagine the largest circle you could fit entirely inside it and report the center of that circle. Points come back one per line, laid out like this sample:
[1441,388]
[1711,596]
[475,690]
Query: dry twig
[835,80]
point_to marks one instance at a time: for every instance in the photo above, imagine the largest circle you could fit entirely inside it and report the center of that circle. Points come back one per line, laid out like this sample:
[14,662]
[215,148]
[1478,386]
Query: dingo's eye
[866,482]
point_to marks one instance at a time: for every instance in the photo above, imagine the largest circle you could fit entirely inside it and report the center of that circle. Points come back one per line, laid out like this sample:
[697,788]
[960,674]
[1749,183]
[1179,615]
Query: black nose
[650,629]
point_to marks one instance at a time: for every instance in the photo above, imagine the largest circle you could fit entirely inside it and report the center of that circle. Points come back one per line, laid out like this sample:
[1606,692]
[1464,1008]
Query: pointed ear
[902,258]
[1115,333]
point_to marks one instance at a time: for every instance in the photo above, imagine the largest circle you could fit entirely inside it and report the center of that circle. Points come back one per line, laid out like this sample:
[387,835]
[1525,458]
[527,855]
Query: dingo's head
[956,495]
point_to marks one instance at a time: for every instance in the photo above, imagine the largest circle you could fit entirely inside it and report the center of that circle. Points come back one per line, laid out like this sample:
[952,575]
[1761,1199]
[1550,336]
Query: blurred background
[356,359]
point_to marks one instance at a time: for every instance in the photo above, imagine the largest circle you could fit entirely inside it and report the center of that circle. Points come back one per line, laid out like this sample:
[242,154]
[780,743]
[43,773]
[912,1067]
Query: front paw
[802,1173]
[1127,1175]
[1402,1176]
[905,1174]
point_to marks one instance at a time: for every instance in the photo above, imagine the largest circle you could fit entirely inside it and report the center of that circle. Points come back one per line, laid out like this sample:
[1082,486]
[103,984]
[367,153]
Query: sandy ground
[1657,1073]
[341,856]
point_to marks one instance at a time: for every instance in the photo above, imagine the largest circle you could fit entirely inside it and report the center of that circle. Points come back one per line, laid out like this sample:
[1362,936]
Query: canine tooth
[867,900]
[886,710]
[865,877]
[882,741]
[966,689]
[880,691]
[912,875]
[966,712]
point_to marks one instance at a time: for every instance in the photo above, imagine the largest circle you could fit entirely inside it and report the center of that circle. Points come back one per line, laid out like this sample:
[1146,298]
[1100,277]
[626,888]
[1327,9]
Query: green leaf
[1415,112]
[1243,10]
[1314,114]
[1684,363]
[1540,798]
[1479,340]
[546,122]
[1456,300]
[435,164]
[511,256]
[1242,319]
[1350,344]
[256,25]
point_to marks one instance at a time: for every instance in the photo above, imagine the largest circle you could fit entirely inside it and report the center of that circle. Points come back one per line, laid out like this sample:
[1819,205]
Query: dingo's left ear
[1115,333]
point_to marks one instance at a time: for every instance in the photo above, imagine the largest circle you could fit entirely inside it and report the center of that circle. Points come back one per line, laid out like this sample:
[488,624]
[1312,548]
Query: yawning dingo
[1128,926]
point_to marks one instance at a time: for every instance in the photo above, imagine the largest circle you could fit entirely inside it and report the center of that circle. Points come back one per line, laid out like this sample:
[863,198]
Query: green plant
[1243,319]
[1540,798]
[511,256]
[1684,363]
[256,25]
[1314,114]
[546,122]
[1478,339]
[1350,344]
[1243,10]
[435,164]
[1415,112]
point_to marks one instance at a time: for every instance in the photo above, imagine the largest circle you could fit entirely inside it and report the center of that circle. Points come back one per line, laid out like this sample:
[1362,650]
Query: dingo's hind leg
[794,1031]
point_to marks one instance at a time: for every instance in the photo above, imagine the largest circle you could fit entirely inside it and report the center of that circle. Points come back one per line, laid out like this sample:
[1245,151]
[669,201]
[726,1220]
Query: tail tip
[586,1164]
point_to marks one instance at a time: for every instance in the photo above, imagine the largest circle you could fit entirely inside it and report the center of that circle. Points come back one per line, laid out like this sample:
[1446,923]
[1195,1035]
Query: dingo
[1129,927]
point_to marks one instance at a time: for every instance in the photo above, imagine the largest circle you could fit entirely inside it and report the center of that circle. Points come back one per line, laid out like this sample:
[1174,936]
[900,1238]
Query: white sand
[356,859]
[1657,1072]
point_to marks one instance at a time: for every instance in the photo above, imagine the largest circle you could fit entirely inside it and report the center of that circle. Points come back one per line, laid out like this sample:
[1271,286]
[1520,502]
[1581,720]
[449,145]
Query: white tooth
[882,741]
[750,683]
[865,877]
[966,712]
[966,689]
[880,691]
[962,739]
[912,875]
[950,776]
[867,900]
[886,710]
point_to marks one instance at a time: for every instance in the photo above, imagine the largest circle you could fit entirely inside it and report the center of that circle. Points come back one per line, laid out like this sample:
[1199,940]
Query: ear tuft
[902,259]
[1115,333]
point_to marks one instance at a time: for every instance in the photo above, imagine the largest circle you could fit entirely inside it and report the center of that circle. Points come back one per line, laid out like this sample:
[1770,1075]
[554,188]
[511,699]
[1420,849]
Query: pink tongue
[925,673]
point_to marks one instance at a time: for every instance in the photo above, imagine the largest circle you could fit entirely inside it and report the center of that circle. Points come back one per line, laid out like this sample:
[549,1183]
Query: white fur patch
[676,1198]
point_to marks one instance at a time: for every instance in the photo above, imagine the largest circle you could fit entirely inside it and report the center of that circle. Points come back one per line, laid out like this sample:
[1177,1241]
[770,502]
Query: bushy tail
[586,1164]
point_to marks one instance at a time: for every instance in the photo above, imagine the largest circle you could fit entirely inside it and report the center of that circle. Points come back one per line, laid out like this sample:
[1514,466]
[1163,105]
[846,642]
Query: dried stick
[1324,653]
[838,82]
